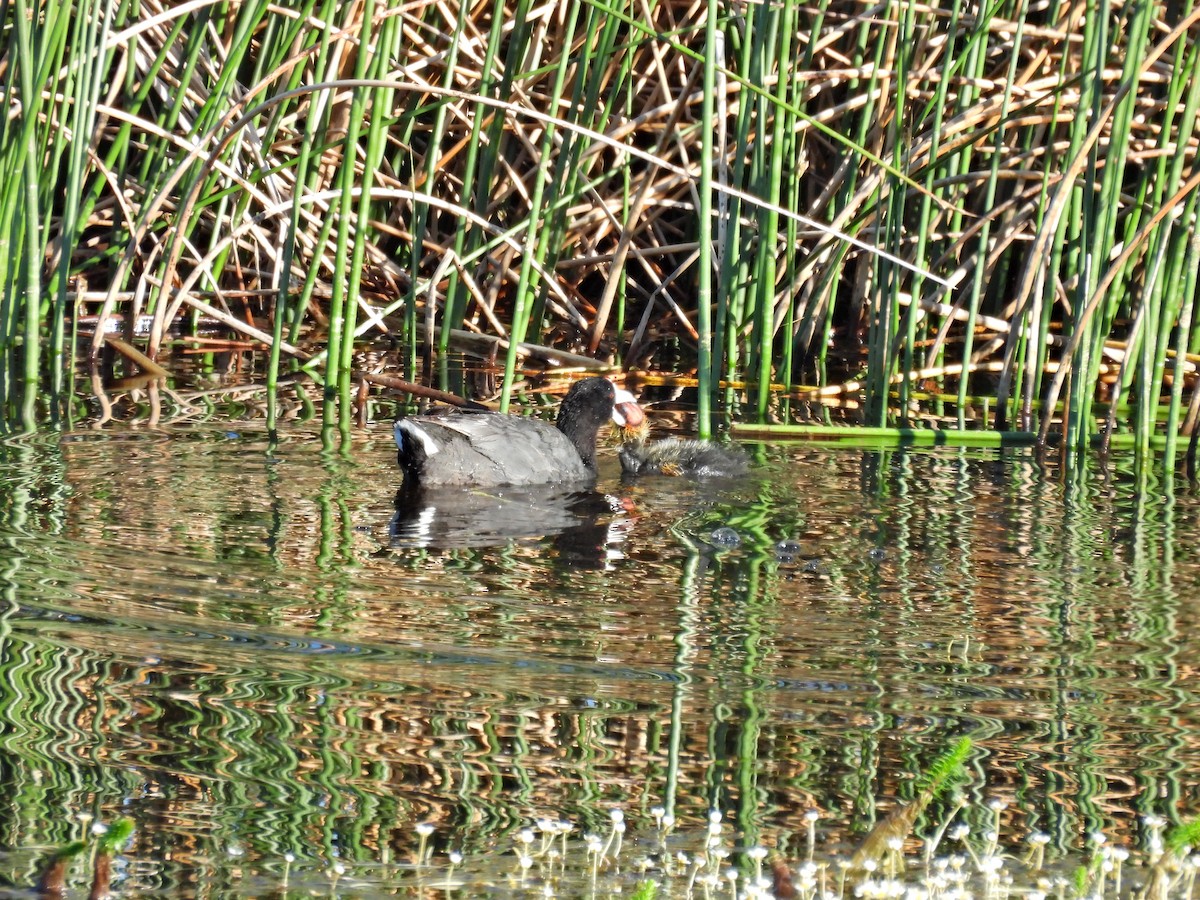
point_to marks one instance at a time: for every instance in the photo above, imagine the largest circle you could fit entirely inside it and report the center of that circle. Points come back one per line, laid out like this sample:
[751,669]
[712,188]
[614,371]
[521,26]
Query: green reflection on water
[220,638]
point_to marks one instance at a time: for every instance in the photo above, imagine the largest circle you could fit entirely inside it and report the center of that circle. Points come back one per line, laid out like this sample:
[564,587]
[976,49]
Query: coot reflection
[445,518]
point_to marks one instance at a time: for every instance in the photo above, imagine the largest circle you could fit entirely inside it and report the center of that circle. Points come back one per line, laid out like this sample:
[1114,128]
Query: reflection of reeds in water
[250,668]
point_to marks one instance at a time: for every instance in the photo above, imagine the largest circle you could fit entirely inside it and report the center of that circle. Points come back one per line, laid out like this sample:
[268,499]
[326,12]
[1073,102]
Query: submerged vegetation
[904,855]
[551,857]
[993,199]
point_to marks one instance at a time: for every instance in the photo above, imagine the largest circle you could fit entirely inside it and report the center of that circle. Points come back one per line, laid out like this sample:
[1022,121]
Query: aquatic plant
[552,858]
[999,200]
[670,863]
[109,840]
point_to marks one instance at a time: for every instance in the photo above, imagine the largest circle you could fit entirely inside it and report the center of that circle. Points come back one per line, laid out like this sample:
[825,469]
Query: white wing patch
[417,433]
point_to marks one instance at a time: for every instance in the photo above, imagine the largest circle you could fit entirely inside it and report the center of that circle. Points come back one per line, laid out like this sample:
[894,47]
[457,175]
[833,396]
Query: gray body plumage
[484,449]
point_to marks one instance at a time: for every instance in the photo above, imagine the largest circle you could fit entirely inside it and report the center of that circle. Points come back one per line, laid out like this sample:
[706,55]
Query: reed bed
[970,198]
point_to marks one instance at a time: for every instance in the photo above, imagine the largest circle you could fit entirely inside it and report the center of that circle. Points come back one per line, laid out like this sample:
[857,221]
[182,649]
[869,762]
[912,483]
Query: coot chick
[484,449]
[678,456]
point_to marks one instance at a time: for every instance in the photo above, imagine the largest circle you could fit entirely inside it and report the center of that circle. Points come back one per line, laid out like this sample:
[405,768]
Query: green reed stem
[713,56]
[536,238]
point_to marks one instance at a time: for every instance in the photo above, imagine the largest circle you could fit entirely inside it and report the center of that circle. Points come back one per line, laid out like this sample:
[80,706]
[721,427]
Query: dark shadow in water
[446,518]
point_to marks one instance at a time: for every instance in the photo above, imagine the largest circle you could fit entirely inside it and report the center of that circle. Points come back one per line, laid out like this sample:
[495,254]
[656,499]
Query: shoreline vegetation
[906,854]
[909,206]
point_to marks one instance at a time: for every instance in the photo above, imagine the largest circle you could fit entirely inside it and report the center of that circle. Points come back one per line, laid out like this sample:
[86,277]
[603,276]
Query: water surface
[245,649]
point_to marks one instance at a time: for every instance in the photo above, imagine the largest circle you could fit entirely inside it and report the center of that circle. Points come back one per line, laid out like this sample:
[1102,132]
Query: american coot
[677,456]
[484,449]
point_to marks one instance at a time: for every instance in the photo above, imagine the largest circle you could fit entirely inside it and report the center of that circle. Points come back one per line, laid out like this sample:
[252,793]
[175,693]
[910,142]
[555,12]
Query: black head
[588,405]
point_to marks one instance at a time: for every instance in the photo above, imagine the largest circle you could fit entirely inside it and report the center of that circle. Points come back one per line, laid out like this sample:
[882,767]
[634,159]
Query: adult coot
[485,449]
[678,456]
